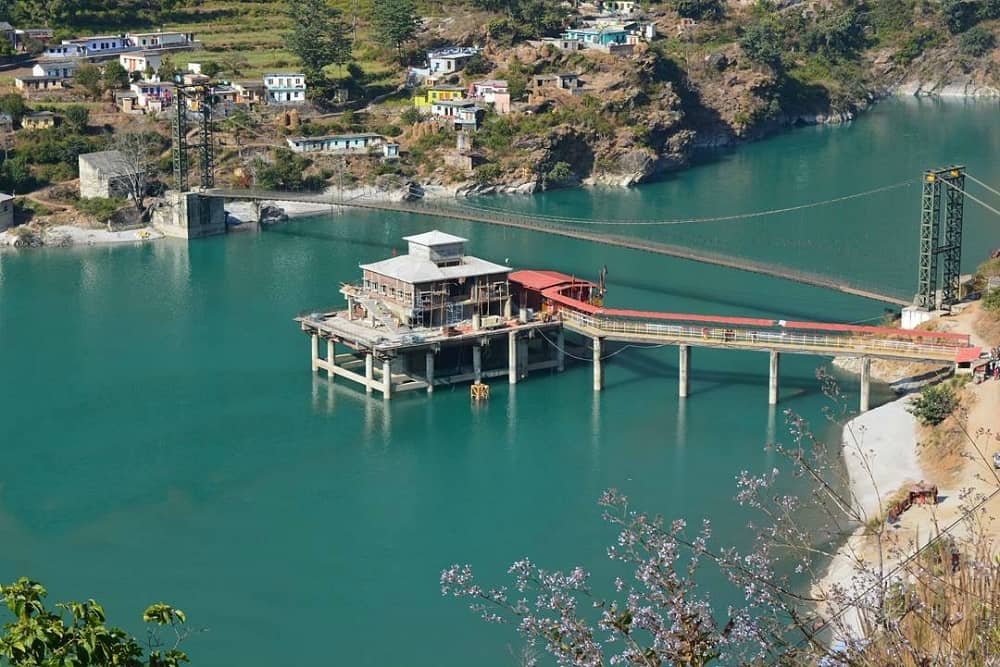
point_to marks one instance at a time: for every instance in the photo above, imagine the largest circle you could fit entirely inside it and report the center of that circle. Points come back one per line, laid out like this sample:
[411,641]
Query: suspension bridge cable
[681,221]
[976,180]
[608,356]
[973,198]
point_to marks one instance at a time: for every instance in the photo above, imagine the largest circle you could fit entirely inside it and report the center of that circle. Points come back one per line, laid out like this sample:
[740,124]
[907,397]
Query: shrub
[100,208]
[477,64]
[916,44]
[560,173]
[934,404]
[991,301]
[959,15]
[976,41]
[410,116]
[487,173]
[702,10]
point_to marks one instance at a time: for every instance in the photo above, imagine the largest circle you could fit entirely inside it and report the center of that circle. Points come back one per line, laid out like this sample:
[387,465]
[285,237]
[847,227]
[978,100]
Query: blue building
[598,36]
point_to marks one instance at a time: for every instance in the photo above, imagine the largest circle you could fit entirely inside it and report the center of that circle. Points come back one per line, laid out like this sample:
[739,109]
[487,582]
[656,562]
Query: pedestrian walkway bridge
[456,211]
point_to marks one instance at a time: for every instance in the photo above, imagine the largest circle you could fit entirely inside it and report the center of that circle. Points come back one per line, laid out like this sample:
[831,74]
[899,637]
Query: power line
[682,221]
[973,198]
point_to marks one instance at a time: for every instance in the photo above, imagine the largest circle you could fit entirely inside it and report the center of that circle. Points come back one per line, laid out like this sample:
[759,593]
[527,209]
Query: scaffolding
[930,237]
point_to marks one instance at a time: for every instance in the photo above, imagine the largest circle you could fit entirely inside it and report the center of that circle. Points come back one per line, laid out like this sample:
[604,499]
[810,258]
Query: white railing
[763,338]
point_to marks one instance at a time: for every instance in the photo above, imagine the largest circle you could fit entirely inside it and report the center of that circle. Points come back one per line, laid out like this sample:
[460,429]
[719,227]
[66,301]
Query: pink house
[492,91]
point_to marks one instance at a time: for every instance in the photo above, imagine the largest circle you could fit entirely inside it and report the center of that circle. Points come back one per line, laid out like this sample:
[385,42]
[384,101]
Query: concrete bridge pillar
[598,369]
[386,379]
[866,378]
[512,348]
[369,373]
[772,386]
[684,360]
[331,357]
[429,372]
[315,352]
[560,351]
[477,362]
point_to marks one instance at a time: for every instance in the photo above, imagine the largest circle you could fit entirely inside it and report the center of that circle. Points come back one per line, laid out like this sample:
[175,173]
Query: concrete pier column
[315,352]
[772,385]
[331,357]
[684,360]
[386,379]
[477,362]
[598,369]
[866,381]
[369,373]
[560,351]
[476,321]
[508,309]
[512,357]
[350,308]
[429,371]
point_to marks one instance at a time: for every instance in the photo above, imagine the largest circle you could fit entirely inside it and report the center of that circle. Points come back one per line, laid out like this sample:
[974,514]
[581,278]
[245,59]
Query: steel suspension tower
[951,179]
[200,97]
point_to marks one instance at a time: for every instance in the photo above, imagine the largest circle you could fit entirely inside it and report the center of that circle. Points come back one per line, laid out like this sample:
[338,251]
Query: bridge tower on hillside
[947,185]
[198,98]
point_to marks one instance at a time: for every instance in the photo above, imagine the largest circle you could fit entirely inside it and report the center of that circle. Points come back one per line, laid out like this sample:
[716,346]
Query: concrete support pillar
[512,347]
[772,385]
[386,379]
[331,357]
[429,371]
[684,360]
[522,315]
[866,381]
[508,309]
[369,373]
[598,369]
[350,308]
[560,351]
[477,321]
[477,362]
[315,352]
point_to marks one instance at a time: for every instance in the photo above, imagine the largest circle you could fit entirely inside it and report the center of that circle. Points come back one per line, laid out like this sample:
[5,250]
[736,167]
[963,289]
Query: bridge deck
[536,225]
[743,338]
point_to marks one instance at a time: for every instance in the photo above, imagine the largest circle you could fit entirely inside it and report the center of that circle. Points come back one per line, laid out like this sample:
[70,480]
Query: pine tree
[319,36]
[395,22]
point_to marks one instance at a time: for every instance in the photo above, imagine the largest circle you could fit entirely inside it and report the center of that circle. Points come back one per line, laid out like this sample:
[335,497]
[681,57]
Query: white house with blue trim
[336,143]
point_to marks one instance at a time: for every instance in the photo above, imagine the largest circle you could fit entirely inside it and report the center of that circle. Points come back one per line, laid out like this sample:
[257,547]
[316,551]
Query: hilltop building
[160,40]
[40,120]
[451,59]
[438,93]
[336,143]
[103,174]
[55,69]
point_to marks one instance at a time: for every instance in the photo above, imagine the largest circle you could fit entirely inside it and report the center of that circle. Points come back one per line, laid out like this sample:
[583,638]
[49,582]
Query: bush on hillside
[934,404]
[991,301]
[976,41]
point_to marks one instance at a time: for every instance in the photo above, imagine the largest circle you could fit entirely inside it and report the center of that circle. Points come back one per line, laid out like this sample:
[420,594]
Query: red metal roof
[540,280]
[967,354]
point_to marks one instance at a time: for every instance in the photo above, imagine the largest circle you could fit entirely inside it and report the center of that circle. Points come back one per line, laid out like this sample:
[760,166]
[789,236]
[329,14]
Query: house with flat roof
[160,40]
[39,120]
[140,61]
[31,84]
[64,50]
[26,38]
[336,143]
[492,91]
[100,44]
[153,96]
[450,59]
[249,92]
[438,93]
[55,69]
[285,88]
[6,211]
[434,285]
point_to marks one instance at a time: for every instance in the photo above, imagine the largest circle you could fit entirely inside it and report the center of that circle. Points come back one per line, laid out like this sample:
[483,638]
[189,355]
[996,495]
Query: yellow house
[441,93]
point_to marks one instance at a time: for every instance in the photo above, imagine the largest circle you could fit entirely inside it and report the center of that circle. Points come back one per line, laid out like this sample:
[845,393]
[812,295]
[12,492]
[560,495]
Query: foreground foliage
[76,633]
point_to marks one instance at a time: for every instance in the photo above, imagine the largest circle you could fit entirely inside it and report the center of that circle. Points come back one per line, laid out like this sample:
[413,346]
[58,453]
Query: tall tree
[395,22]
[89,77]
[137,152]
[319,36]
[115,75]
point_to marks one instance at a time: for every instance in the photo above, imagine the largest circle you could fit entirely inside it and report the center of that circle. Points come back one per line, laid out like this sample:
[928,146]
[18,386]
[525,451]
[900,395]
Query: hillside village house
[55,69]
[336,143]
[543,83]
[285,88]
[99,45]
[160,40]
[140,61]
[624,7]
[6,123]
[39,120]
[464,113]
[31,84]
[103,174]
[23,39]
[6,211]
[7,32]
[153,96]
[64,50]
[439,93]
[603,36]
[451,59]
[493,91]
[249,92]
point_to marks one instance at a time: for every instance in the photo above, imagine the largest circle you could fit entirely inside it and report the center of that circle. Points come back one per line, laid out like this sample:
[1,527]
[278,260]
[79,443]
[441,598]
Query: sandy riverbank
[883,452]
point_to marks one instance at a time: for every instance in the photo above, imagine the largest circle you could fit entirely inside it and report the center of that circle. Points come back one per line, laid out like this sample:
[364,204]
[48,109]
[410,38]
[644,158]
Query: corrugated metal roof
[967,354]
[539,280]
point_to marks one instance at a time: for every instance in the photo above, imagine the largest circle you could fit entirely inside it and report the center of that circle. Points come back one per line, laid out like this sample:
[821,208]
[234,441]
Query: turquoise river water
[163,438]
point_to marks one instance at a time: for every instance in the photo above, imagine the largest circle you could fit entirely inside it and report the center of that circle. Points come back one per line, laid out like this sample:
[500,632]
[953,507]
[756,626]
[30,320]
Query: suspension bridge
[570,228]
